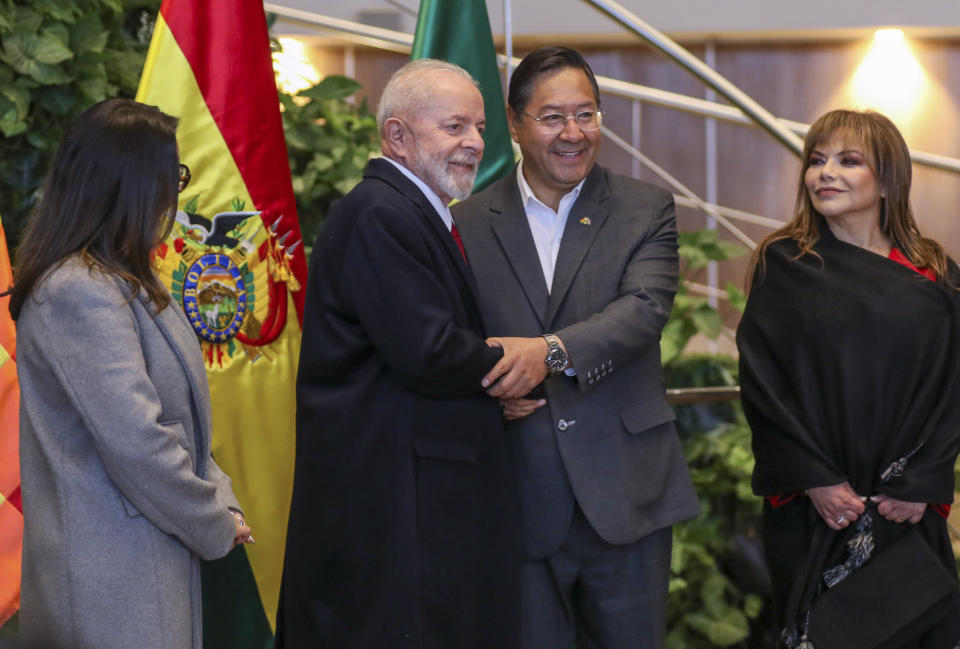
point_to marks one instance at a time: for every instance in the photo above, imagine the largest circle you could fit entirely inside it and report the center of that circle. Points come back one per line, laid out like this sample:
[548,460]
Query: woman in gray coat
[120,494]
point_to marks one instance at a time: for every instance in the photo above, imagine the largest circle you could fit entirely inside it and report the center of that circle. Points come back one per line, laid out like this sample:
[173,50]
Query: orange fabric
[11,515]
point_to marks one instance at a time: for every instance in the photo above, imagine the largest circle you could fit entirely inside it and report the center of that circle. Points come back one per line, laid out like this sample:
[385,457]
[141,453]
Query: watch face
[556,360]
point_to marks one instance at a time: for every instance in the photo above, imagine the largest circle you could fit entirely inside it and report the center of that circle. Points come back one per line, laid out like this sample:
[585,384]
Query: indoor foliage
[693,314]
[58,57]
[329,141]
[719,589]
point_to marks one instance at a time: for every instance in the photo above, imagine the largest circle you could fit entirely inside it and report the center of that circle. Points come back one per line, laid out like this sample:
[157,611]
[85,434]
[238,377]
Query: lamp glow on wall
[890,79]
[293,68]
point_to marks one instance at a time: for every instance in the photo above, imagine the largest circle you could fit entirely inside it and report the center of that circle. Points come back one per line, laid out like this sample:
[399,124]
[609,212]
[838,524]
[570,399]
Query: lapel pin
[585,220]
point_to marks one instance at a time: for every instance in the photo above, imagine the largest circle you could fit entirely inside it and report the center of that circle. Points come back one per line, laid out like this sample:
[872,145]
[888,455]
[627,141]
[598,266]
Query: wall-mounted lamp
[293,67]
[890,79]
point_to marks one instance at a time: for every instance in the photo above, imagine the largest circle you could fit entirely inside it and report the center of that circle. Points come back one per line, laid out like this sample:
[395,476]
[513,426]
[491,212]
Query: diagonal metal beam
[671,48]
[680,187]
[395,41]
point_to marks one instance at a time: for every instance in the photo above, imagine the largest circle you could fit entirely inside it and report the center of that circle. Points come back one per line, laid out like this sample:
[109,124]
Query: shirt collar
[526,194]
[442,210]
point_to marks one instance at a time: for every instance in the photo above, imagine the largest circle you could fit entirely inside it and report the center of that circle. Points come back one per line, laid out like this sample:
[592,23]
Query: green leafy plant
[709,606]
[692,313]
[58,57]
[718,587]
[329,141]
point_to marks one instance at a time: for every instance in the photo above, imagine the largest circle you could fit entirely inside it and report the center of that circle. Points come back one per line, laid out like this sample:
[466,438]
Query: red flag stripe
[215,49]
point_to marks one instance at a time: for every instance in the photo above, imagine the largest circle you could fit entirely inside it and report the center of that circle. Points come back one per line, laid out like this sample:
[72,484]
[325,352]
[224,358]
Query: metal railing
[703,395]
[708,75]
[395,41]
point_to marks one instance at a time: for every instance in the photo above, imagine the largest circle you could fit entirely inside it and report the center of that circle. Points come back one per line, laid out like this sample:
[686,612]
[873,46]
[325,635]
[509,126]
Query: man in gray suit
[585,262]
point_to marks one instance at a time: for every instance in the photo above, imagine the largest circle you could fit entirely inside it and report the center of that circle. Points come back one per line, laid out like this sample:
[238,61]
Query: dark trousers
[594,595]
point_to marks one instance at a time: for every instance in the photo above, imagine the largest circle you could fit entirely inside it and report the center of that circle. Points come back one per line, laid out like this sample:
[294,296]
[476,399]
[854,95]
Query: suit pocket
[444,449]
[183,440]
[646,415]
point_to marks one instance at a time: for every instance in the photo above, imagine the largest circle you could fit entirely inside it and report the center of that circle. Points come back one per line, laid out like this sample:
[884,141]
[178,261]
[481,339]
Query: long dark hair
[110,197]
[889,159]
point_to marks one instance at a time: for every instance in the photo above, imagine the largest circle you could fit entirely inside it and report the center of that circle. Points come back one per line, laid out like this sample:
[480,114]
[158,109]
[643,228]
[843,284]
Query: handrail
[386,39]
[400,42]
[705,108]
[703,395]
[680,187]
[731,213]
[708,75]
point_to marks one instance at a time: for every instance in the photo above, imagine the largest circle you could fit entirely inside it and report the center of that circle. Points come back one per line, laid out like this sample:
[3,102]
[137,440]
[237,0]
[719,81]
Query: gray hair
[406,90]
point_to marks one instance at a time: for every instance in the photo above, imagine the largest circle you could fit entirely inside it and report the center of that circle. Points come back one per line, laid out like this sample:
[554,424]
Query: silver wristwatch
[556,360]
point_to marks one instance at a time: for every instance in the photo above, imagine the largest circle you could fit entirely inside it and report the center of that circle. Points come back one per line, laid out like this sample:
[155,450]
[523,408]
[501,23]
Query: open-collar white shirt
[546,226]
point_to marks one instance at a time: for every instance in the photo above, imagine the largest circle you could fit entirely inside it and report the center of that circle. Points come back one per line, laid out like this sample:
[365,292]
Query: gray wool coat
[120,493]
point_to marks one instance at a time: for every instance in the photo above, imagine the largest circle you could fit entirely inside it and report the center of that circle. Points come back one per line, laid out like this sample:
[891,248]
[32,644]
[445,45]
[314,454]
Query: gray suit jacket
[120,493]
[605,439]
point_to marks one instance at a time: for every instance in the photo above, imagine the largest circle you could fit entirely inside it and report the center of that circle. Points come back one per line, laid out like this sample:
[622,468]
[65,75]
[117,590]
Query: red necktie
[456,237]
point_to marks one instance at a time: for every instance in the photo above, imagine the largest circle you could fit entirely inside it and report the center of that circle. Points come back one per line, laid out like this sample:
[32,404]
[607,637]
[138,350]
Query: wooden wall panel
[795,80]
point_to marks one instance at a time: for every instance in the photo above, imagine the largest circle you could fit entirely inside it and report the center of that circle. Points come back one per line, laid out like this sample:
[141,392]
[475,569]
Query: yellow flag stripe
[168,82]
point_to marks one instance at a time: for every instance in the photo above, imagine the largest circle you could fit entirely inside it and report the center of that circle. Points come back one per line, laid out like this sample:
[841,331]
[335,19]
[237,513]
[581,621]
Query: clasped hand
[243,533]
[839,506]
[521,369]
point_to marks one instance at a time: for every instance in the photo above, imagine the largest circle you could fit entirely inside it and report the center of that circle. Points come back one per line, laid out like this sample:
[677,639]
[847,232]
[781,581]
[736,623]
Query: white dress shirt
[546,226]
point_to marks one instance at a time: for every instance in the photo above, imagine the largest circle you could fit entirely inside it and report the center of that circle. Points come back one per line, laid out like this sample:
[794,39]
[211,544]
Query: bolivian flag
[234,262]
[11,512]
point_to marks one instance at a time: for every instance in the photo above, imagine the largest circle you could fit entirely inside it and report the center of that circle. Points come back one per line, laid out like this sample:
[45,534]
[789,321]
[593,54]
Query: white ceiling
[532,17]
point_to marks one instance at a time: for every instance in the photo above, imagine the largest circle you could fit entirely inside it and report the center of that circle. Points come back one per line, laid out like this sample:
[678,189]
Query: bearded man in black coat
[403,528]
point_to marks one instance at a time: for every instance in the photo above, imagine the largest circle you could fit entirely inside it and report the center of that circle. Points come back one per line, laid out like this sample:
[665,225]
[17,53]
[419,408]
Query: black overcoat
[403,526]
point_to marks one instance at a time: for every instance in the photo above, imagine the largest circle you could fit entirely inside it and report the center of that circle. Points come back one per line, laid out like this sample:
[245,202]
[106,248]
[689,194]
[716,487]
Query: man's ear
[396,138]
[512,124]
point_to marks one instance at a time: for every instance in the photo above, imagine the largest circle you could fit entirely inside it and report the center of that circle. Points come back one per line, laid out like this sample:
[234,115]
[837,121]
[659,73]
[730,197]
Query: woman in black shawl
[849,367]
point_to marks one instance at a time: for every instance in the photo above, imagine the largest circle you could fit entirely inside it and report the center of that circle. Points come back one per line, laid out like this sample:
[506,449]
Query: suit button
[563,424]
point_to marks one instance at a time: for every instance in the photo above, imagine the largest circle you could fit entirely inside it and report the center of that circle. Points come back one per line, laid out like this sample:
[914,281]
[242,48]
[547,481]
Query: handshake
[521,369]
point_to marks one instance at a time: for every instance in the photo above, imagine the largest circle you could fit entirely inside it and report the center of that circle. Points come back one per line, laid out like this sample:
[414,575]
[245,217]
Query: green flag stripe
[232,613]
[458,31]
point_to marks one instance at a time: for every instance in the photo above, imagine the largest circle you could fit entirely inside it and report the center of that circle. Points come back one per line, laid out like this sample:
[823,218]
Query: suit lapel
[583,223]
[385,171]
[509,223]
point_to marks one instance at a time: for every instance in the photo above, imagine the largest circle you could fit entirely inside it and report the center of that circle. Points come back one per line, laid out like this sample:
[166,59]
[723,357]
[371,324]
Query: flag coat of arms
[235,264]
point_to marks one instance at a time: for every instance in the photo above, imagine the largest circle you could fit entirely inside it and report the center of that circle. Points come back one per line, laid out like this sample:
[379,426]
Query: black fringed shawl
[848,360]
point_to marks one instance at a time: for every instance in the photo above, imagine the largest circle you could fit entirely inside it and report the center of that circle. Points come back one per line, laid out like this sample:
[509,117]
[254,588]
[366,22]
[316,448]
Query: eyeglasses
[185,177]
[554,123]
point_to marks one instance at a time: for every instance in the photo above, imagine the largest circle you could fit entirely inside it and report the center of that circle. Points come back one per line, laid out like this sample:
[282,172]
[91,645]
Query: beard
[435,172]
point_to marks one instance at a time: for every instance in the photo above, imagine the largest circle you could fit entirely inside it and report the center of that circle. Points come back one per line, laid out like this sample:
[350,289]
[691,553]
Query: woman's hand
[838,505]
[899,511]
[243,534]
